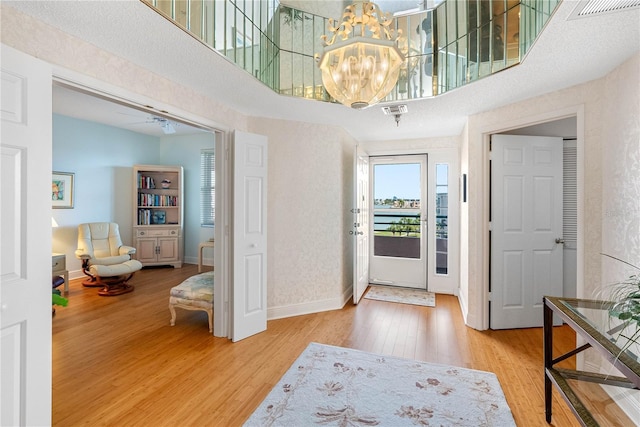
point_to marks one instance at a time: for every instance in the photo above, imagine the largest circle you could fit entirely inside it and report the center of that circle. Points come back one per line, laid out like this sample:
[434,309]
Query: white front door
[398,219]
[25,278]
[249,235]
[361,225]
[526,220]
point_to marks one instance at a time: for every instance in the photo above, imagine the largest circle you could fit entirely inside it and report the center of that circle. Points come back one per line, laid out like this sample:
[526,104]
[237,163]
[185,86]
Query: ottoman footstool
[195,293]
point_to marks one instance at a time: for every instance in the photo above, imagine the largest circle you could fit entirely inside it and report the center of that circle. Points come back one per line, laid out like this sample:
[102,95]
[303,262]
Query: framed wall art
[62,190]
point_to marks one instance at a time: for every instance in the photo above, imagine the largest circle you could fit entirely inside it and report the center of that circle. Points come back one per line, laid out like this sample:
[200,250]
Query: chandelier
[361,61]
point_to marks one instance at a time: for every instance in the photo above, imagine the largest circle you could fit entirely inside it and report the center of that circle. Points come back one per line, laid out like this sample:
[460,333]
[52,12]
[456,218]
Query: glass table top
[595,314]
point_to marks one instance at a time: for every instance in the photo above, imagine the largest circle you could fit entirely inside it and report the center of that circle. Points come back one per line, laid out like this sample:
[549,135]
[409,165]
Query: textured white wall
[620,152]
[42,41]
[309,202]
[611,112]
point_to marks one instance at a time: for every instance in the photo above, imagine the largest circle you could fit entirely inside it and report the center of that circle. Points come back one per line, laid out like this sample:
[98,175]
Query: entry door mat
[335,386]
[401,295]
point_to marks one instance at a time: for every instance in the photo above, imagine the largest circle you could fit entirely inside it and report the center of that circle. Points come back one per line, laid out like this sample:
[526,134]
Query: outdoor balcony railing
[450,46]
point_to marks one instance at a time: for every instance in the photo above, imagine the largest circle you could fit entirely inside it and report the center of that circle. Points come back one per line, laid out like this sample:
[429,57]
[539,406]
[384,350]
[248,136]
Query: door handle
[560,240]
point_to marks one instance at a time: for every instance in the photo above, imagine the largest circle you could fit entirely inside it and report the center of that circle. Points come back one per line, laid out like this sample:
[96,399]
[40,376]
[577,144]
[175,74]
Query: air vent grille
[395,109]
[588,8]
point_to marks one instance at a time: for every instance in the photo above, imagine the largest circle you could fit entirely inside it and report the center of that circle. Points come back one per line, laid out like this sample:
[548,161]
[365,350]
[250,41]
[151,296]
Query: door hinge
[490,226]
[489,295]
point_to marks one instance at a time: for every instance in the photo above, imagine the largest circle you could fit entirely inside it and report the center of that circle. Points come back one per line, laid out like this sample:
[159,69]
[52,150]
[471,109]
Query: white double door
[25,309]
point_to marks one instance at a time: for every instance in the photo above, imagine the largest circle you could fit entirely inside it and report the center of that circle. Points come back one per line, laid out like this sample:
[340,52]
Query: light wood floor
[117,362]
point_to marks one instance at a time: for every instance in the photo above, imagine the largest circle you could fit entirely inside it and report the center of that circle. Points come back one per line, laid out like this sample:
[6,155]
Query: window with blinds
[207,188]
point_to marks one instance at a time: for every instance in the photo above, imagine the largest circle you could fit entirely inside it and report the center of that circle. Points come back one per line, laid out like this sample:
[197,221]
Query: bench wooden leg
[173,314]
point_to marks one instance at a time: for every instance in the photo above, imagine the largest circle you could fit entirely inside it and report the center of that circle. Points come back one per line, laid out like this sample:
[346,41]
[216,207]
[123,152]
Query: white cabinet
[158,247]
[158,215]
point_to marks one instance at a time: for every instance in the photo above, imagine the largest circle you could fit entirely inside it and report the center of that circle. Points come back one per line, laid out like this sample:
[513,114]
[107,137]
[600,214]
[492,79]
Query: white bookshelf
[158,215]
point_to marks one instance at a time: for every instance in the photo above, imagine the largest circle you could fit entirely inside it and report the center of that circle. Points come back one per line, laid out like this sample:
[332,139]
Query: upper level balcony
[449,46]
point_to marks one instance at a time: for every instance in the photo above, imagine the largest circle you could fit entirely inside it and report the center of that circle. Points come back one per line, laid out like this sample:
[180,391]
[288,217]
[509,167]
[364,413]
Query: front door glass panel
[397,210]
[442,218]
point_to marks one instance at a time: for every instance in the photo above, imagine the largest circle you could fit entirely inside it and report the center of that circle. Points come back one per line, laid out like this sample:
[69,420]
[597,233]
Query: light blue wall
[101,157]
[185,151]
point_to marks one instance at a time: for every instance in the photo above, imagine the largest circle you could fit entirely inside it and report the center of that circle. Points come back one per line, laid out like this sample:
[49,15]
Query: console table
[589,318]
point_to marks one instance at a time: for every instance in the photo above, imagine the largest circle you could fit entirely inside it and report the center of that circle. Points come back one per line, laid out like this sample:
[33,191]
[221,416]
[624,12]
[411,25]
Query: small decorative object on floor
[401,295]
[329,385]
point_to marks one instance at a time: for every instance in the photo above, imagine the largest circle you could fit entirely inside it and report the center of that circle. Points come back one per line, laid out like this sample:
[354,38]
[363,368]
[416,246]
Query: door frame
[481,299]
[222,258]
[448,284]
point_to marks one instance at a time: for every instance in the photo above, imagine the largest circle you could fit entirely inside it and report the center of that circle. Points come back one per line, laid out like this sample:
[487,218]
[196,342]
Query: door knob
[559,240]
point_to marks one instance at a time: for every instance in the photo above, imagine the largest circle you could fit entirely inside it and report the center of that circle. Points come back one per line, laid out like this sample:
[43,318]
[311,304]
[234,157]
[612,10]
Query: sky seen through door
[401,181]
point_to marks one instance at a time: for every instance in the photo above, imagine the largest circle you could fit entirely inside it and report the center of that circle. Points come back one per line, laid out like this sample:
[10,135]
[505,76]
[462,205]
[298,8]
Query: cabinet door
[146,250]
[168,249]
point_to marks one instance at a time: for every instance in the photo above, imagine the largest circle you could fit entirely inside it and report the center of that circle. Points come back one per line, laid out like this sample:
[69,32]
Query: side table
[59,268]
[207,244]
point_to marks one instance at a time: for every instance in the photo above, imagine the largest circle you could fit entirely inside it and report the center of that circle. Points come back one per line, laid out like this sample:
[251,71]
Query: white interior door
[361,225]
[526,220]
[398,217]
[249,235]
[25,280]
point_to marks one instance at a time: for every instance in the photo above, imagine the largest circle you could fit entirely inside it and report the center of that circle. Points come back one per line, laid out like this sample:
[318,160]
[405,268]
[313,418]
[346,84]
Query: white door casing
[448,282]
[249,235]
[361,225]
[398,271]
[526,220]
[25,297]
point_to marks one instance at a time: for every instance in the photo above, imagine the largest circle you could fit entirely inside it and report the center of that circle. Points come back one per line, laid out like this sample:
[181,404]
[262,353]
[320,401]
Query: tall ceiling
[568,52]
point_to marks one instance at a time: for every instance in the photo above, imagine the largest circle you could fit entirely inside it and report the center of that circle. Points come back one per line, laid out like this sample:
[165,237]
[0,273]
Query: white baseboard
[194,260]
[309,307]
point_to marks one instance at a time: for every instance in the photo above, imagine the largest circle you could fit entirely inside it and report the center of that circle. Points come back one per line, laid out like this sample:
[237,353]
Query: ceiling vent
[395,111]
[392,110]
[588,8]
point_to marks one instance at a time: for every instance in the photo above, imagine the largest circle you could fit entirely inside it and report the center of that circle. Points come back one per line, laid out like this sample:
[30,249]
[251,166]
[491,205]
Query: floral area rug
[401,295]
[334,386]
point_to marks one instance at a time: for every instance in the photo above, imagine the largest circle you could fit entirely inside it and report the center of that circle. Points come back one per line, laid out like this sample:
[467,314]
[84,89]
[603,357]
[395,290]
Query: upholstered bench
[195,293]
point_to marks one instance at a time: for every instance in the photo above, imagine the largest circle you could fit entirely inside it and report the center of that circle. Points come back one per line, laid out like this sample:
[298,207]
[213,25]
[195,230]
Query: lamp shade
[361,61]
[361,71]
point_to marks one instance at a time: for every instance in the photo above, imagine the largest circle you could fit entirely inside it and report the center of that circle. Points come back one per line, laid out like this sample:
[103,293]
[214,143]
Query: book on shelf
[145,199]
[146,182]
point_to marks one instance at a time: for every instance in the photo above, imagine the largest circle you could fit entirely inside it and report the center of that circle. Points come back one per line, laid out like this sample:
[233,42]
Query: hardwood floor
[117,362]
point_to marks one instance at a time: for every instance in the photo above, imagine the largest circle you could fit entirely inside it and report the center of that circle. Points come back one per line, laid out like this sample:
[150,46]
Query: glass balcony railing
[450,46]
